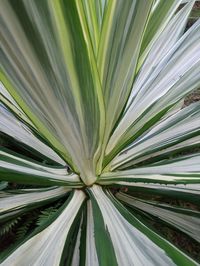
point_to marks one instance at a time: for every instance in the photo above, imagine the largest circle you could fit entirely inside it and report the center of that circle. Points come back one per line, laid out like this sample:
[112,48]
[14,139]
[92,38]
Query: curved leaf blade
[57,83]
[130,237]
[16,129]
[119,45]
[20,170]
[183,170]
[42,246]
[19,201]
[177,76]
[185,220]
[168,133]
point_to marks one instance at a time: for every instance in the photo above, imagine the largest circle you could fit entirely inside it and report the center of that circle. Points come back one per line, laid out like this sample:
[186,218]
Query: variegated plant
[95,89]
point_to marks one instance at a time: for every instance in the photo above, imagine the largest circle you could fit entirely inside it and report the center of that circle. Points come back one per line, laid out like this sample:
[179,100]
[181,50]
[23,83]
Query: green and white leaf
[91,253]
[178,75]
[8,100]
[16,129]
[53,86]
[93,11]
[185,192]
[119,46]
[183,126]
[17,201]
[20,170]
[185,220]
[161,48]
[97,87]
[161,14]
[128,236]
[3,185]
[46,245]
[182,170]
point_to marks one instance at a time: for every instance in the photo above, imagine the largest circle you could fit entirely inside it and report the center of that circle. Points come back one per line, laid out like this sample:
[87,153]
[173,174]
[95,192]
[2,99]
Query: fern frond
[45,215]
[9,226]
[23,230]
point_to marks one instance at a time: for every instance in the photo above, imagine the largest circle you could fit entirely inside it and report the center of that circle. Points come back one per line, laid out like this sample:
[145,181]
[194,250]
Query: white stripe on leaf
[11,126]
[17,200]
[172,130]
[46,247]
[131,246]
